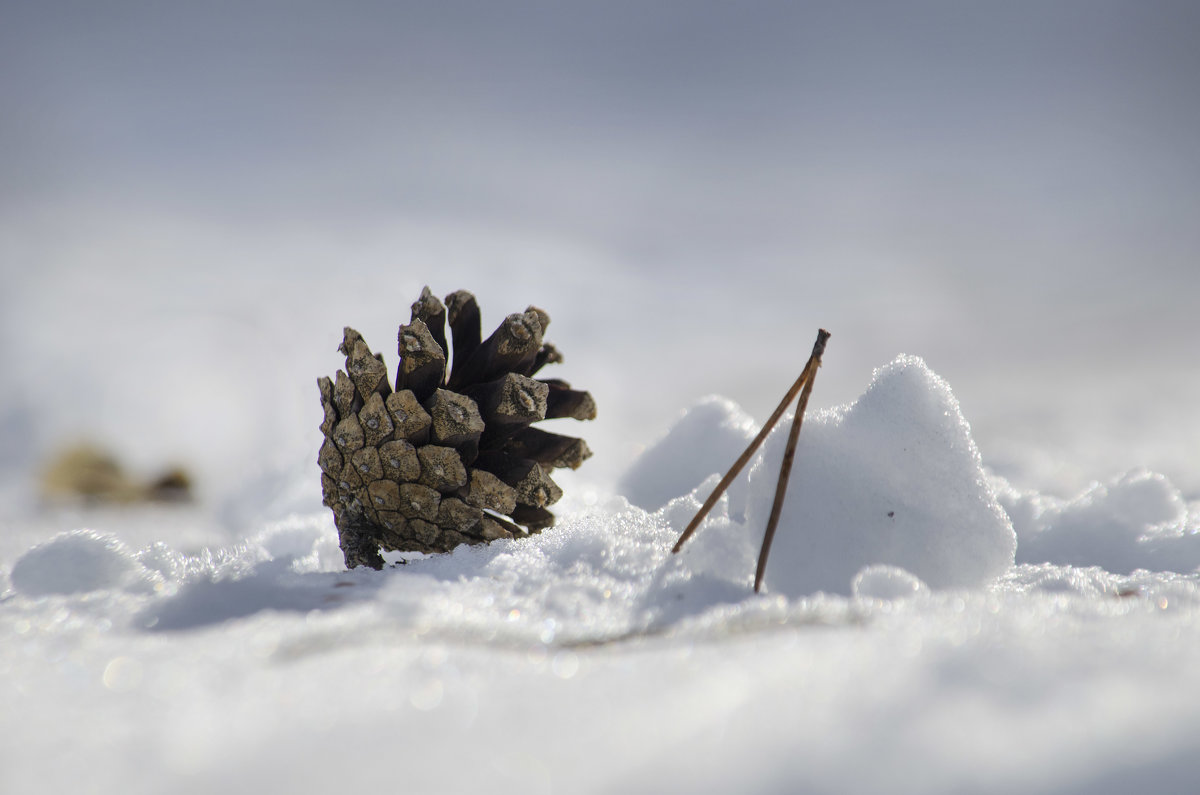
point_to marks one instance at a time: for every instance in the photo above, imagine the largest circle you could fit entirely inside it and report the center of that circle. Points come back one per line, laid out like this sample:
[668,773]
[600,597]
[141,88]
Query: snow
[894,478]
[76,562]
[909,653]
[194,204]
[884,582]
[1136,521]
[713,431]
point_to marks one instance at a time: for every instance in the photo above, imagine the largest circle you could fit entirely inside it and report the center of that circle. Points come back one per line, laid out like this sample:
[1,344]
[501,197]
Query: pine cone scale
[462,312]
[400,461]
[410,420]
[422,360]
[430,311]
[442,468]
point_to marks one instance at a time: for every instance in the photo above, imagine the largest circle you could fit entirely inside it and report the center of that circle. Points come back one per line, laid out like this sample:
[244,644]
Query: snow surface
[193,203]
[911,637]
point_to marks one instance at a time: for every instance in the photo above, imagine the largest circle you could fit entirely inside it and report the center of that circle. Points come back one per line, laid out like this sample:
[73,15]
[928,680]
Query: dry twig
[803,386]
[789,455]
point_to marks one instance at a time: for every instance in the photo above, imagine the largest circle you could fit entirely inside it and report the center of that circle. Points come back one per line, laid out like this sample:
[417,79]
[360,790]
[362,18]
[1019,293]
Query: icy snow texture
[894,478]
[590,659]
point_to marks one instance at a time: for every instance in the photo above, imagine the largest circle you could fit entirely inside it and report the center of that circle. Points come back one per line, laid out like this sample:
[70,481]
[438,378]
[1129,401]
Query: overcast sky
[1010,189]
[614,118]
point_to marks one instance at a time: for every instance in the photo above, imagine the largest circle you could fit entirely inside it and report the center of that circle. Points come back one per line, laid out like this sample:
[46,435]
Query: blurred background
[196,198]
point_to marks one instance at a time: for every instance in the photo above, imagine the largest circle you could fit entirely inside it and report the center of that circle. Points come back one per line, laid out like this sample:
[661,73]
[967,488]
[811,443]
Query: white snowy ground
[925,627]
[194,199]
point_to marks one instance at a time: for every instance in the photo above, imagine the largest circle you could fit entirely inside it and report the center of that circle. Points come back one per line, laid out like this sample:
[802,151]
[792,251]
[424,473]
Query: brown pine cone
[447,457]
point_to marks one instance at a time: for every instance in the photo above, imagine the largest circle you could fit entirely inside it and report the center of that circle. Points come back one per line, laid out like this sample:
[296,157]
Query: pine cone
[442,459]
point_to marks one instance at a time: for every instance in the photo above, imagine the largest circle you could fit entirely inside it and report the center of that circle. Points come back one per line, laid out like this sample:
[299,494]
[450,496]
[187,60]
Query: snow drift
[1136,521]
[894,478]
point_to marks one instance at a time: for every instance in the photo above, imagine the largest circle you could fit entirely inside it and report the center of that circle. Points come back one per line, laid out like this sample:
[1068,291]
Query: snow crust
[952,651]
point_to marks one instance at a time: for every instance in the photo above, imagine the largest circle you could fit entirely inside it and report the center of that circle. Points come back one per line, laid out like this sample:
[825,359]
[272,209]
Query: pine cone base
[448,455]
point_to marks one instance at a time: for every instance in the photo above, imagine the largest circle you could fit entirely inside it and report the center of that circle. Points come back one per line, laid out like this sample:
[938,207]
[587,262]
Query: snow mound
[705,440]
[1138,521]
[894,478]
[79,561]
[597,576]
